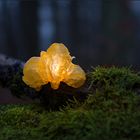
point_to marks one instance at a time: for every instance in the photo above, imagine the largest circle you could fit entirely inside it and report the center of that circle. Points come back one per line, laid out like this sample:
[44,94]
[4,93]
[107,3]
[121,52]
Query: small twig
[90,86]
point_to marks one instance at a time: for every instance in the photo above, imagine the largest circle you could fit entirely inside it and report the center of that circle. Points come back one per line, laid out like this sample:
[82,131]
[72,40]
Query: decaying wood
[7,61]
[11,77]
[8,68]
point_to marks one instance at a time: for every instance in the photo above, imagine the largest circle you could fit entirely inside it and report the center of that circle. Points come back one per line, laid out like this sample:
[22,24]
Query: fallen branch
[11,72]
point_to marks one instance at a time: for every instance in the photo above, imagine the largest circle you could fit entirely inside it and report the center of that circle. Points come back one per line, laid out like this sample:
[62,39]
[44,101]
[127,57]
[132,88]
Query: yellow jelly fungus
[54,66]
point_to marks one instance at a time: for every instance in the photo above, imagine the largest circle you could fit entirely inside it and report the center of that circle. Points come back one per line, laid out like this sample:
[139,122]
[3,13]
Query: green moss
[110,112]
[70,124]
[113,88]
[113,77]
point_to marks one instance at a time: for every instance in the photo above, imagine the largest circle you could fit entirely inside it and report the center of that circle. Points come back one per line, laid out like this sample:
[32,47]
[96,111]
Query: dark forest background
[97,32]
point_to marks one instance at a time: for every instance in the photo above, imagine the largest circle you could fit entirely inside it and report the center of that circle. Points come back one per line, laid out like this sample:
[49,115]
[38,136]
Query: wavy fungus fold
[54,66]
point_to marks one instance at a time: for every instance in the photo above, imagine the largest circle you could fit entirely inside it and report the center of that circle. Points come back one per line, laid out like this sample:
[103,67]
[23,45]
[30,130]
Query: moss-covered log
[106,107]
[110,82]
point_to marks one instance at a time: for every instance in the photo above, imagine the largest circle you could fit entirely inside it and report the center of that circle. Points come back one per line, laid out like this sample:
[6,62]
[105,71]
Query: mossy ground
[110,112]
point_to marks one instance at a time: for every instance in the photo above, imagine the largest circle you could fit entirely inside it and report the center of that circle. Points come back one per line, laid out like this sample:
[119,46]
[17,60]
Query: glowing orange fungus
[54,66]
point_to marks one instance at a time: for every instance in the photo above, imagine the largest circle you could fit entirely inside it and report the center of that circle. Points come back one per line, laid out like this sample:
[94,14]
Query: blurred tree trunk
[118,32]
[18,28]
[6,33]
[29,23]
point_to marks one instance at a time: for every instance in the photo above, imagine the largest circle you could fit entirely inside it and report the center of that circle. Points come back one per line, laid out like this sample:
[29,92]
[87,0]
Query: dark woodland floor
[7,98]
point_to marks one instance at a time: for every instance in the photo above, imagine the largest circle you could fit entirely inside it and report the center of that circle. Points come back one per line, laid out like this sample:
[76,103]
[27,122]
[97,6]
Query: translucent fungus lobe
[54,66]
